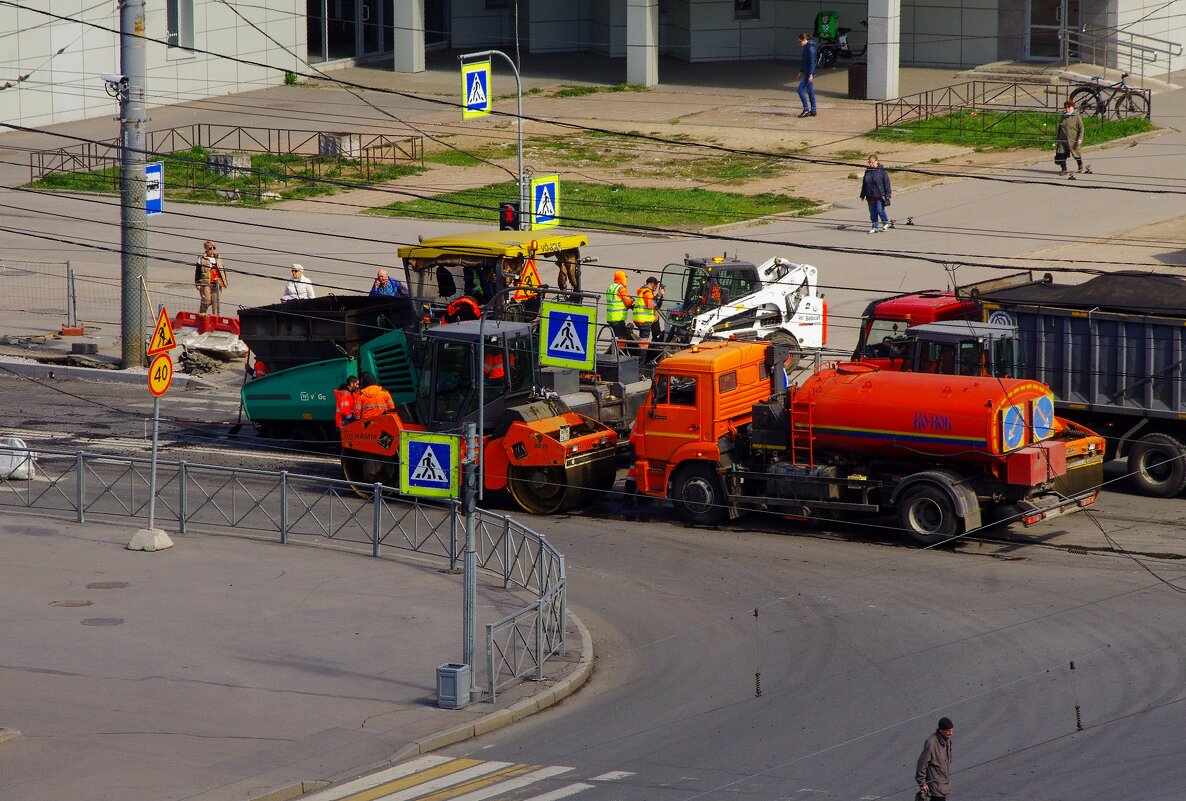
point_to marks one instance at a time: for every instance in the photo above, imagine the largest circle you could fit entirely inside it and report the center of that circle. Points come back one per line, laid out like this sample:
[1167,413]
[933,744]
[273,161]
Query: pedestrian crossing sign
[429,464]
[567,335]
[475,90]
[545,202]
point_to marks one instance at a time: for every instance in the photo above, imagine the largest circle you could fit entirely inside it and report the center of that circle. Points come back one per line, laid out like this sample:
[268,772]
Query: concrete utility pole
[133,217]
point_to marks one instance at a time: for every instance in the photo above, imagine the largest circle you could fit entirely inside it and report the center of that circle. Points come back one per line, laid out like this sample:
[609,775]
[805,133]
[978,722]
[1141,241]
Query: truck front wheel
[928,515]
[699,496]
[1157,466]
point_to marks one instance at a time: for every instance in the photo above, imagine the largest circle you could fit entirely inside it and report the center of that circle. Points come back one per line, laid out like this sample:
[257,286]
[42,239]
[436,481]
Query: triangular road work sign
[528,280]
[162,340]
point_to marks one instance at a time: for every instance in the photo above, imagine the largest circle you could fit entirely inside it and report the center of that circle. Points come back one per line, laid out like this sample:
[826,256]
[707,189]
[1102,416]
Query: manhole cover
[69,603]
[107,585]
[103,621]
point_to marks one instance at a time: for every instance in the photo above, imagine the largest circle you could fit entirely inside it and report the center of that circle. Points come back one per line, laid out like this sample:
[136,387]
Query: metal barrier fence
[370,150]
[75,295]
[1008,97]
[301,508]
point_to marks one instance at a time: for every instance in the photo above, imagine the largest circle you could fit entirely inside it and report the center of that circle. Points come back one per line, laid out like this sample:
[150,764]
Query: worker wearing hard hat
[617,301]
[645,314]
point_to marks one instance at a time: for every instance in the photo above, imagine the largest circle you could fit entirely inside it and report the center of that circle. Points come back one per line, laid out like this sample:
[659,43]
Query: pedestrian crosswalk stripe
[477,783]
[561,792]
[442,775]
[438,778]
[451,785]
[612,776]
[513,784]
[344,791]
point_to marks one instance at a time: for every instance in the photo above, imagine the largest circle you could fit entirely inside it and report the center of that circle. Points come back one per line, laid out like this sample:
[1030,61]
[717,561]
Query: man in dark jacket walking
[934,763]
[875,189]
[806,76]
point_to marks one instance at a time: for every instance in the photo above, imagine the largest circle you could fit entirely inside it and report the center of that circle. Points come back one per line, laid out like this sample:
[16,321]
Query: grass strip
[610,206]
[272,178]
[995,130]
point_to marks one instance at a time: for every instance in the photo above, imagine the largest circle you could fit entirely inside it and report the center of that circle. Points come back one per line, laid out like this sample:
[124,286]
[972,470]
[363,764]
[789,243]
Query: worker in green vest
[644,315]
[617,301]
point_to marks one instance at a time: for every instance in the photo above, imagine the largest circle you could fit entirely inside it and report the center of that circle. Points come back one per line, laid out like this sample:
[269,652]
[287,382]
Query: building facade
[207,48]
[52,64]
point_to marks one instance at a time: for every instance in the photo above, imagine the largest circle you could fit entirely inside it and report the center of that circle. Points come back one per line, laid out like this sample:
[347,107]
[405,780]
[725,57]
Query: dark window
[179,17]
[727,382]
[446,286]
[450,393]
[679,390]
[745,9]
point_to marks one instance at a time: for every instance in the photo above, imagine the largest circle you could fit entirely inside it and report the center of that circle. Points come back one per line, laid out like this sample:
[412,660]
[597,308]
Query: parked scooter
[833,40]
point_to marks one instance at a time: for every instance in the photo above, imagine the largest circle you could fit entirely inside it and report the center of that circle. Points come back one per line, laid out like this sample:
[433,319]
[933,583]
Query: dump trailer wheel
[364,469]
[788,339]
[541,490]
[928,515]
[699,496]
[1157,466]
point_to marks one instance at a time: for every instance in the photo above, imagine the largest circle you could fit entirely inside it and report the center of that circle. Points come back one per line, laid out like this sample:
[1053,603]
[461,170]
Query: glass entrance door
[343,28]
[372,27]
[1045,29]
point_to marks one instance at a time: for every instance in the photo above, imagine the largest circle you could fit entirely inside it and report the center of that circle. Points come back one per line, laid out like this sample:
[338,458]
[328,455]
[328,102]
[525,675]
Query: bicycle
[1125,101]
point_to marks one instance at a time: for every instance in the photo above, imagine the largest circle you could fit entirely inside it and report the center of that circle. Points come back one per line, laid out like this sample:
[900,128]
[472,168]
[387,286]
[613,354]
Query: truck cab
[887,319]
[700,398]
[962,347]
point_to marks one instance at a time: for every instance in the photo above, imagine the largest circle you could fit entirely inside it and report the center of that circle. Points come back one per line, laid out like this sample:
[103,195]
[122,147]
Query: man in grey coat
[1069,139]
[934,763]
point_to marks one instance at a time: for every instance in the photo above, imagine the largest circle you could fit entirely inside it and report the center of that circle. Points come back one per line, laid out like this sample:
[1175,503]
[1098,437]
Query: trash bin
[858,77]
[453,683]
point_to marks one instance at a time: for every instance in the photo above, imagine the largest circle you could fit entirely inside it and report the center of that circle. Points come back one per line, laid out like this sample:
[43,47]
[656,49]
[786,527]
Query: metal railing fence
[295,507]
[369,150]
[1007,97]
[1124,50]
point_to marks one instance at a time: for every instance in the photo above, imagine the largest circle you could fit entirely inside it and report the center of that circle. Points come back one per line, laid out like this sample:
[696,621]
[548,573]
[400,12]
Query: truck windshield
[679,390]
[881,332]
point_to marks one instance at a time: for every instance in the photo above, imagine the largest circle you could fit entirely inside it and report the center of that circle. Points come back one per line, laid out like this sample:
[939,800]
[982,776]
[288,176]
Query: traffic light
[508,216]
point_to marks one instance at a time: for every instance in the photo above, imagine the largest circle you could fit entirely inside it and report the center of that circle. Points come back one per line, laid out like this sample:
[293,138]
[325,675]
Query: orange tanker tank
[854,407]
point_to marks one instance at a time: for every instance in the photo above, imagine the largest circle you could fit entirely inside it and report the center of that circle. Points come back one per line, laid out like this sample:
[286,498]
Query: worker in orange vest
[495,368]
[373,400]
[260,370]
[346,402]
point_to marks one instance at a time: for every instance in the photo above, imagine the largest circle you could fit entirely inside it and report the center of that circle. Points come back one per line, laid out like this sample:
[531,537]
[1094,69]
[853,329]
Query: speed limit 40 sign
[160,375]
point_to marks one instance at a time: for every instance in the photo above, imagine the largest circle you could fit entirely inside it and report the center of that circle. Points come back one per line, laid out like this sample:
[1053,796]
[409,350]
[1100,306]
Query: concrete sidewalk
[226,668]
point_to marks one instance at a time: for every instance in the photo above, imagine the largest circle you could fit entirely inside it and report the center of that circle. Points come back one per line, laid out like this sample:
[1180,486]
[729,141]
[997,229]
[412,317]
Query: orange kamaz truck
[722,433]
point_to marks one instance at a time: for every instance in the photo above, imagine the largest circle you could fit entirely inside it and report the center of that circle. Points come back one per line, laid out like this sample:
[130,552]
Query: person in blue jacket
[806,76]
[385,285]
